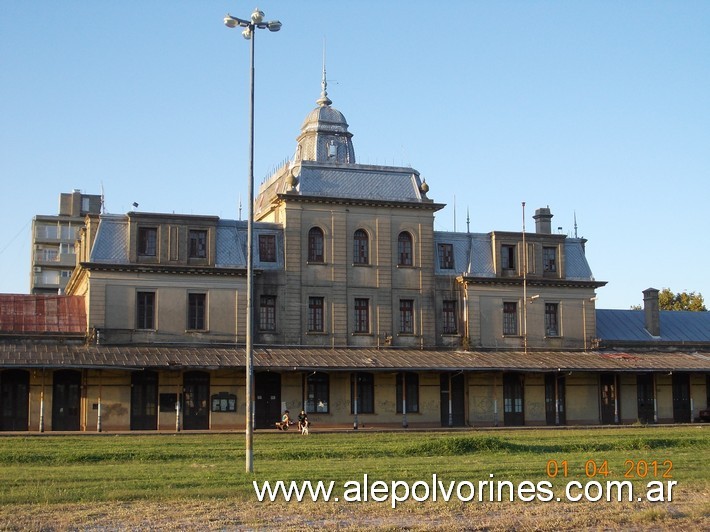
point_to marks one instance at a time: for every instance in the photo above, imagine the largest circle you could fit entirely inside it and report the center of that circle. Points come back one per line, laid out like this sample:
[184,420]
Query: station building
[364,316]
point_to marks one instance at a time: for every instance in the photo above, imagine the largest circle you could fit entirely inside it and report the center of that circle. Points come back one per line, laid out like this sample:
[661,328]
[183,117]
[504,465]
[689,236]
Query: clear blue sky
[596,108]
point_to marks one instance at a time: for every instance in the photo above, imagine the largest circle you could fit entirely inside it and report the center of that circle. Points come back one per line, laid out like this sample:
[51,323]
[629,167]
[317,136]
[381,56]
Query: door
[66,400]
[267,407]
[681,398]
[451,386]
[644,398]
[609,399]
[14,399]
[555,399]
[144,400]
[513,404]
[196,400]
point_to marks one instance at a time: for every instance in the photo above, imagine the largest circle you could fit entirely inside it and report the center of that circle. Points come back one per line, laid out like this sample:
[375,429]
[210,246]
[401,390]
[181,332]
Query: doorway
[555,399]
[66,400]
[14,399]
[513,400]
[681,398]
[267,406]
[451,386]
[645,398]
[196,400]
[144,400]
[610,414]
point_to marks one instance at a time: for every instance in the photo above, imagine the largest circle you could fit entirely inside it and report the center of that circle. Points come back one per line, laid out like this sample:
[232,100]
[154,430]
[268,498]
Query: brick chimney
[543,221]
[651,313]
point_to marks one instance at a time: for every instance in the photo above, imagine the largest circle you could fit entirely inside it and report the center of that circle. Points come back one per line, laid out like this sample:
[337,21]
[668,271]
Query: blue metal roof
[676,326]
[360,182]
[111,242]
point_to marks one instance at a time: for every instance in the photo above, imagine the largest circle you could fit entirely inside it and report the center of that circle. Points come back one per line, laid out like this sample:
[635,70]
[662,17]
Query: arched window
[315,245]
[404,249]
[360,247]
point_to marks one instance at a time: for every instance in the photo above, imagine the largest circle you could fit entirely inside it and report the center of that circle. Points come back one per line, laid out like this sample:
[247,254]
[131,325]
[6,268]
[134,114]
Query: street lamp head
[230,22]
[257,16]
[273,25]
[247,34]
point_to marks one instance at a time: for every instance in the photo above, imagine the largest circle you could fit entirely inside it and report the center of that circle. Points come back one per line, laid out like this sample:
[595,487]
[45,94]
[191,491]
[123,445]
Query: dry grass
[690,512]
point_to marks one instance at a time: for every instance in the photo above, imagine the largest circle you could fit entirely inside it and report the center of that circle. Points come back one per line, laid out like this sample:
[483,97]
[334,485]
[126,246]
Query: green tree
[667,300]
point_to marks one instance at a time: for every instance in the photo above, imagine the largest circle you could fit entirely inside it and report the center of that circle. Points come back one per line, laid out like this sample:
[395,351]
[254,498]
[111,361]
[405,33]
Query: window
[315,314]
[406,316]
[549,259]
[507,257]
[551,321]
[145,310]
[267,313]
[317,388]
[267,248]
[48,255]
[147,241]
[362,315]
[360,247]
[510,319]
[315,245]
[198,244]
[196,308]
[449,315]
[362,393]
[446,256]
[66,249]
[404,249]
[411,391]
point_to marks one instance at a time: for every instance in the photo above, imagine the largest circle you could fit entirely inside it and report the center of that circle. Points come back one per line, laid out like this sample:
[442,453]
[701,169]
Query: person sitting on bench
[285,421]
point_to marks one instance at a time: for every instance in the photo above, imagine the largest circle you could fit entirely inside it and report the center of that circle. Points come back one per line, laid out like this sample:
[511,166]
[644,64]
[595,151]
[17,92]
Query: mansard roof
[473,256]
[111,245]
[345,183]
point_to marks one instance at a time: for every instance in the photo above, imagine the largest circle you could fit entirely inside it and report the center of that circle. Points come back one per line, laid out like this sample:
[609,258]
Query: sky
[599,110]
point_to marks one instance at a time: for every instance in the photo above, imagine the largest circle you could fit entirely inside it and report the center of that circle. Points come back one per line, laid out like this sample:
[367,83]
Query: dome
[324,134]
[325,118]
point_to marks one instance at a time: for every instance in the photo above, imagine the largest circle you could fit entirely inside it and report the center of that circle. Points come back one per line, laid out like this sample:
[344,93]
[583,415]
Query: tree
[667,300]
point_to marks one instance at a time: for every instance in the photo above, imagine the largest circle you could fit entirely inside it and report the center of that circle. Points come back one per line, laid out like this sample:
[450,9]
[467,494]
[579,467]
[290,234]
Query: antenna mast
[575,224]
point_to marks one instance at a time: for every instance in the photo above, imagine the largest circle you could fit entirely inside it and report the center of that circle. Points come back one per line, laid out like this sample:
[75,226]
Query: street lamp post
[256,21]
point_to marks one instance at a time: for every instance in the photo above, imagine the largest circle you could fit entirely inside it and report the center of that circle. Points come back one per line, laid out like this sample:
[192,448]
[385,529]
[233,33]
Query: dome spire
[324,100]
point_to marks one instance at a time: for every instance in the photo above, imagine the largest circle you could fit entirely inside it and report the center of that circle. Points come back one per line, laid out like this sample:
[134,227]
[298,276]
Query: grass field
[198,480]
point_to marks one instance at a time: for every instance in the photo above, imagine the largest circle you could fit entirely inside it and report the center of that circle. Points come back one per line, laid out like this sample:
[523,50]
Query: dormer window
[549,260]
[147,241]
[267,248]
[197,244]
[507,257]
[446,256]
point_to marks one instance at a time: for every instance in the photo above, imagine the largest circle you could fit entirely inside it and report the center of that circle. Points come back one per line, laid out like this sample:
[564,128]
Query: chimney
[651,313]
[543,221]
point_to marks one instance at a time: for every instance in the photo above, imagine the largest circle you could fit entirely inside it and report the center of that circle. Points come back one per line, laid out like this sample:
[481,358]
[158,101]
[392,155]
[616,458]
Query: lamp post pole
[256,21]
